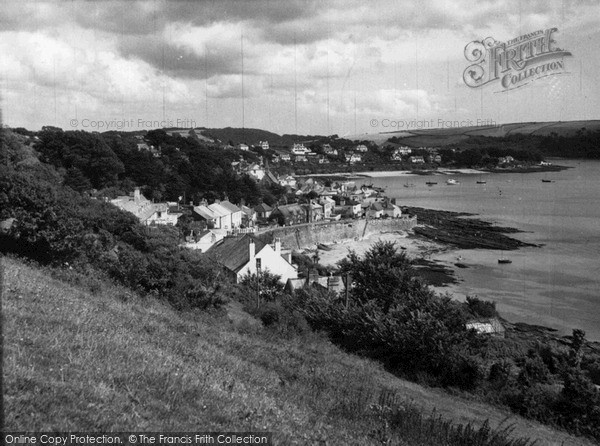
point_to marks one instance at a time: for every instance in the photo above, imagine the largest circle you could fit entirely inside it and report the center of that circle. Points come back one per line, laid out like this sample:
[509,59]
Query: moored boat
[504,260]
[452,182]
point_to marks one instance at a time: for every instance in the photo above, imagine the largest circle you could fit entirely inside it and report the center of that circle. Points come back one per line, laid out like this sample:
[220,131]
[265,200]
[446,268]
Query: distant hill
[414,138]
[255,136]
[454,135]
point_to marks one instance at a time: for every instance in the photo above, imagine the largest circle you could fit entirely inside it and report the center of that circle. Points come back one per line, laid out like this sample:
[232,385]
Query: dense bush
[53,224]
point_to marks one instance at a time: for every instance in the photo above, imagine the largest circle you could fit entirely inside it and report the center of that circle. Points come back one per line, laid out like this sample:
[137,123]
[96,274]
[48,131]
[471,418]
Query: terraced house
[147,212]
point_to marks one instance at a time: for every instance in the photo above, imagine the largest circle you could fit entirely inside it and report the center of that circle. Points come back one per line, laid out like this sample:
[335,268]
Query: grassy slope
[111,361]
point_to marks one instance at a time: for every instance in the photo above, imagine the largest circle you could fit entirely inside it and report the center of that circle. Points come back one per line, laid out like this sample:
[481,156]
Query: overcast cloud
[308,66]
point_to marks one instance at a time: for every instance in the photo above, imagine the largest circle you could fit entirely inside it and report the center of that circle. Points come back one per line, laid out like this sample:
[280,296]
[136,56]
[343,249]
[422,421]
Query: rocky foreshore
[453,228]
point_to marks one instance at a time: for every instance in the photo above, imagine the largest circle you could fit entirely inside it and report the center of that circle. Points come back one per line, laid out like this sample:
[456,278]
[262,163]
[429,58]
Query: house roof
[263,207]
[219,210]
[232,253]
[270,177]
[376,206]
[230,206]
[482,326]
[142,208]
[246,210]
[290,209]
[204,212]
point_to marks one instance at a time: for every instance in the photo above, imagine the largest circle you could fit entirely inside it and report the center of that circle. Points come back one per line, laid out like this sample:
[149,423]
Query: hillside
[94,356]
[454,135]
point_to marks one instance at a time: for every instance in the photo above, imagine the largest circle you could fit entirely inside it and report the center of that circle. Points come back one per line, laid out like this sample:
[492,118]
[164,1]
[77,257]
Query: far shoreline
[433,172]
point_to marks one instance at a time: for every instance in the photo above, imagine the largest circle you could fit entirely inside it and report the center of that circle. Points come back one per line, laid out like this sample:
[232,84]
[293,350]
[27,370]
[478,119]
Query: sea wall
[310,234]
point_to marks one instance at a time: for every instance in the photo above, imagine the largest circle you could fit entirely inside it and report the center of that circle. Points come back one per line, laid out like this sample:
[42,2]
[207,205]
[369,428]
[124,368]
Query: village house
[263,211]
[299,149]
[361,148]
[284,156]
[328,204]
[353,158]
[264,145]
[346,207]
[239,256]
[219,215]
[147,213]
[390,209]
[249,216]
[323,160]
[243,147]
[300,159]
[289,214]
[269,179]
[375,210]
[396,155]
[506,160]
[491,326]
[328,150]
[256,172]
[404,150]
[314,212]
[288,181]
[204,240]
[417,159]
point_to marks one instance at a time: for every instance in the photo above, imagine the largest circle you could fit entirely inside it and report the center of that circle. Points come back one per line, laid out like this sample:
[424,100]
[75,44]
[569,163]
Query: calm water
[557,285]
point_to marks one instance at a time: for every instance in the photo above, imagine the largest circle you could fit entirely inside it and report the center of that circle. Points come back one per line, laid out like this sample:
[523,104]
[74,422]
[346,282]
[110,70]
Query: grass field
[99,358]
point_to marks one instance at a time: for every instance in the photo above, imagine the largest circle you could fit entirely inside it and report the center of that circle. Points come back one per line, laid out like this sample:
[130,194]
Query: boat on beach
[504,260]
[452,182]
[430,183]
[547,181]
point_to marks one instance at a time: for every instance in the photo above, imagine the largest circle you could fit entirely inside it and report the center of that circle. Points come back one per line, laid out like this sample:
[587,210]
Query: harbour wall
[310,234]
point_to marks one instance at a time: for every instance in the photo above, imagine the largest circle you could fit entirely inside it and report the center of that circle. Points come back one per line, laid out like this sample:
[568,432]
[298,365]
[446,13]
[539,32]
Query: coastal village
[230,233]
[243,239]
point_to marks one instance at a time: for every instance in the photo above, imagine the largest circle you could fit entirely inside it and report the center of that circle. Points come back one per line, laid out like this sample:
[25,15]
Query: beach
[415,247]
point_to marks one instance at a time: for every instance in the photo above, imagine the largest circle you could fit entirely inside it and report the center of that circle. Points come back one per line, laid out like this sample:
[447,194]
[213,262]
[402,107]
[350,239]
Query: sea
[557,284]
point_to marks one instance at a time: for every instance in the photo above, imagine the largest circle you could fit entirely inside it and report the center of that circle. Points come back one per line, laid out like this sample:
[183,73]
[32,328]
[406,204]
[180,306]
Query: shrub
[500,373]
[481,308]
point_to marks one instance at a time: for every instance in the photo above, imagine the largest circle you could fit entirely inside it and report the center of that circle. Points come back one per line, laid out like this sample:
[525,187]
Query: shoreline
[432,172]
[439,275]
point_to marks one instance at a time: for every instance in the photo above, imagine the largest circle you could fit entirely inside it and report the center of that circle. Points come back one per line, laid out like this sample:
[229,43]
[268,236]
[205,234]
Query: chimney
[251,250]
[136,194]
[278,246]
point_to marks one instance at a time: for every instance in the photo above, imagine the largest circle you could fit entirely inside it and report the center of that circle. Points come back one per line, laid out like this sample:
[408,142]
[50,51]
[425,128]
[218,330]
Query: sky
[305,67]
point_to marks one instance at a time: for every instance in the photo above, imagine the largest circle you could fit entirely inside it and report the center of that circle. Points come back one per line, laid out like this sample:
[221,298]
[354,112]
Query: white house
[238,257]
[205,240]
[148,213]
[256,172]
[353,158]
[417,160]
[299,149]
[219,215]
[264,145]
[361,148]
[390,209]
[375,210]
[328,204]
[243,147]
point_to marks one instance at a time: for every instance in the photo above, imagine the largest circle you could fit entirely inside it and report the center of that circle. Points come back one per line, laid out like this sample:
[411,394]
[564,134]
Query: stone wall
[310,234]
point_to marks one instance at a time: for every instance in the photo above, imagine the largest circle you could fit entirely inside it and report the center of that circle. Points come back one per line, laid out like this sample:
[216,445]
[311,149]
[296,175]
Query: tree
[383,275]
